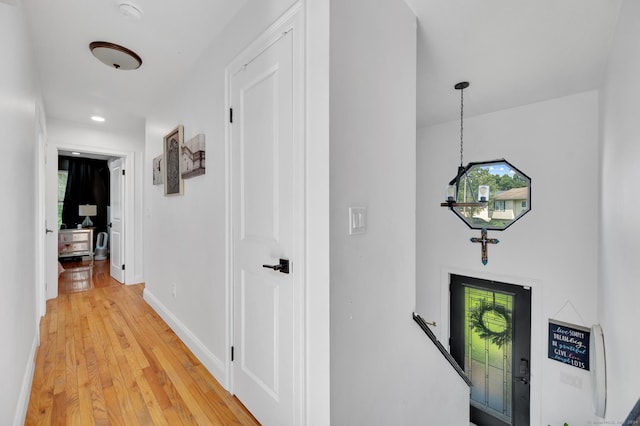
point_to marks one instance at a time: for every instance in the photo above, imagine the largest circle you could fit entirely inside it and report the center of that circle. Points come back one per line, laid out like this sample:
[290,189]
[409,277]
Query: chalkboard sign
[569,344]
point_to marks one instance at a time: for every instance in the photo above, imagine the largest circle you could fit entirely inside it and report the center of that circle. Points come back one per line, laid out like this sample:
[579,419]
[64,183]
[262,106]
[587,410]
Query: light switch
[357,220]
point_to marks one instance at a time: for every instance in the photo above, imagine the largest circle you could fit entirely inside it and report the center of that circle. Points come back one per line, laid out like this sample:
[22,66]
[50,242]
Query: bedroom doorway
[53,207]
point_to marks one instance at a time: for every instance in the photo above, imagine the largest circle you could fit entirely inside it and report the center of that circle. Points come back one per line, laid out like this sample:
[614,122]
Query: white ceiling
[169,38]
[513,52]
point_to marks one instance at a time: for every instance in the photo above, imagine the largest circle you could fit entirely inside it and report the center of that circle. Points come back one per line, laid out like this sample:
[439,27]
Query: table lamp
[86,211]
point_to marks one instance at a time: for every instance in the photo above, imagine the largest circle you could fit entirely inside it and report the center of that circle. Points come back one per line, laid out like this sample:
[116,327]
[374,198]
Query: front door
[491,340]
[116,226]
[263,240]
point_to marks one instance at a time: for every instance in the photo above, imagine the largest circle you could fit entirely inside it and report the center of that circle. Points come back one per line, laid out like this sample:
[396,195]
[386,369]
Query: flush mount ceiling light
[114,55]
[98,118]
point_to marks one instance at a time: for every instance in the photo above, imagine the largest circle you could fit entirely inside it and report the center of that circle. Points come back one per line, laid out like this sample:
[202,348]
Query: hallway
[106,357]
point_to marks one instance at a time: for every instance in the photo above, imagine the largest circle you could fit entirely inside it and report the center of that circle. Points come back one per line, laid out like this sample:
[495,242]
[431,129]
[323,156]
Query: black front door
[491,340]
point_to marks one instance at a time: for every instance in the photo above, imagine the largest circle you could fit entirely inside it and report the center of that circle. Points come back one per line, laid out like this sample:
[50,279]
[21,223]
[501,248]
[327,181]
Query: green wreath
[476,319]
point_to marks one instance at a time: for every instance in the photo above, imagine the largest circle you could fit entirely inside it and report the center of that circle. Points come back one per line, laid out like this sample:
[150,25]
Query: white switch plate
[357,220]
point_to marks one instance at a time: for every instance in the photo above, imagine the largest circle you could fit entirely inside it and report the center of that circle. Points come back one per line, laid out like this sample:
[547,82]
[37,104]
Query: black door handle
[48,231]
[524,370]
[522,379]
[282,267]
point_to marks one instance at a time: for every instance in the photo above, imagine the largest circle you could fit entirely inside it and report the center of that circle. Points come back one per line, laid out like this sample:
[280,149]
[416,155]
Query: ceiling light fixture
[452,190]
[114,55]
[98,119]
[487,195]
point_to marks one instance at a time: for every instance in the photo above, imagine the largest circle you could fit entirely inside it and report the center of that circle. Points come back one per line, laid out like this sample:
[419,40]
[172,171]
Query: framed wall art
[193,157]
[173,142]
[158,170]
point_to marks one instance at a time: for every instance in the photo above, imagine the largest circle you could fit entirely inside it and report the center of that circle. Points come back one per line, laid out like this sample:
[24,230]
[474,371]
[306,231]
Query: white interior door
[263,215]
[117,224]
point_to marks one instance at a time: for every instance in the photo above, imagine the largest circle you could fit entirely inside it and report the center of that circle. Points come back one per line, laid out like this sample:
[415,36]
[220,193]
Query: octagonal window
[492,195]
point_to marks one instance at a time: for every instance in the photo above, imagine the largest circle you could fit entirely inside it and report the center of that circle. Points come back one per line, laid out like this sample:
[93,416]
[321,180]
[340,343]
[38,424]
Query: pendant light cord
[461,122]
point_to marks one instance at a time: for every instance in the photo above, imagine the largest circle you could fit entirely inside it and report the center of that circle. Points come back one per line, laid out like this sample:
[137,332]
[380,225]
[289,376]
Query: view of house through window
[502,189]
[62,187]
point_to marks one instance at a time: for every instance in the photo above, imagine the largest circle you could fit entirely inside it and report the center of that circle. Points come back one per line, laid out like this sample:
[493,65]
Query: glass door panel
[487,352]
[491,340]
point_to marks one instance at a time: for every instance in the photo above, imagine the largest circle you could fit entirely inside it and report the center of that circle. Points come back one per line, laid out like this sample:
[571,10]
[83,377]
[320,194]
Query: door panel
[262,192]
[259,299]
[259,168]
[117,226]
[490,339]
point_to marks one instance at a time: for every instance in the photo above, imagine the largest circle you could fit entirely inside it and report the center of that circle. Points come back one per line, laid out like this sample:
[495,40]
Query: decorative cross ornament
[484,241]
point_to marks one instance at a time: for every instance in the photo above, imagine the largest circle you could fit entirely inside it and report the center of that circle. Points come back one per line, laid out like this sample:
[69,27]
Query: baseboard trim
[25,389]
[212,363]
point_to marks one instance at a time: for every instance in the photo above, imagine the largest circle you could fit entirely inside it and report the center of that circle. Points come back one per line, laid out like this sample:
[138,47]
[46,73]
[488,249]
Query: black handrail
[423,325]
[634,415]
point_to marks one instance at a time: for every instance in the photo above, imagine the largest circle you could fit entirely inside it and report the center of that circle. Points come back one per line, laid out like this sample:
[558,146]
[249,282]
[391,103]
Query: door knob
[282,267]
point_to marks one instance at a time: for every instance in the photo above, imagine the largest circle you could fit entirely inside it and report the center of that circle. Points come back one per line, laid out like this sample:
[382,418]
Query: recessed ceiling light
[98,119]
[114,55]
[75,153]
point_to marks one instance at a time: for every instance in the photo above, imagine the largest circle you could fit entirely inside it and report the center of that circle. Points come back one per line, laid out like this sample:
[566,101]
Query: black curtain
[87,183]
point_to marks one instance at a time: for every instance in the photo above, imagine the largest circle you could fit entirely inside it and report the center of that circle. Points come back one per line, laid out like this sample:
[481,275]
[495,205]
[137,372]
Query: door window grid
[489,365]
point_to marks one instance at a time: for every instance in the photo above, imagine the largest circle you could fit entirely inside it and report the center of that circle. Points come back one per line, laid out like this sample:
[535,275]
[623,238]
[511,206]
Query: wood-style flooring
[106,358]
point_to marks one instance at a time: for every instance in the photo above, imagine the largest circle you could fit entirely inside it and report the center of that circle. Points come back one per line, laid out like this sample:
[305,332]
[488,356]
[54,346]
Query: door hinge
[232,354]
[230,115]
[123,172]
[123,266]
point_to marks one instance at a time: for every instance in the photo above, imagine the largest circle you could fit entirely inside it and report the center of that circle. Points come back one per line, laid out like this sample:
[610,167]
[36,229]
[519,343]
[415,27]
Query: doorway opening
[84,187]
[490,338]
[50,200]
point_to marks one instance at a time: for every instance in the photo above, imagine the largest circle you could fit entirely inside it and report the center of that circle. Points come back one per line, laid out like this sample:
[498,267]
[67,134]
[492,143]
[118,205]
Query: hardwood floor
[106,357]
[82,275]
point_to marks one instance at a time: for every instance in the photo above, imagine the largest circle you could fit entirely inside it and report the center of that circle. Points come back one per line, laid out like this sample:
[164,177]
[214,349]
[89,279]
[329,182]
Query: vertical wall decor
[193,157]
[158,170]
[173,142]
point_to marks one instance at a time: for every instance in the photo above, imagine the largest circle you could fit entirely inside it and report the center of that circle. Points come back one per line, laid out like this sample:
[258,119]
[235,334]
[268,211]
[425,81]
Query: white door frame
[291,20]
[41,223]
[128,158]
[538,353]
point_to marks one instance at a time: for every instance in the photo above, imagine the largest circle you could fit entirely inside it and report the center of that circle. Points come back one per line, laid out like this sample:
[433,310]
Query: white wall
[384,370]
[317,210]
[19,97]
[185,235]
[553,248]
[67,135]
[619,291]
